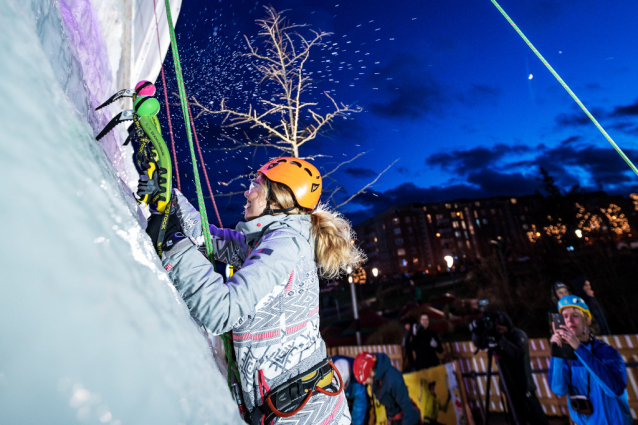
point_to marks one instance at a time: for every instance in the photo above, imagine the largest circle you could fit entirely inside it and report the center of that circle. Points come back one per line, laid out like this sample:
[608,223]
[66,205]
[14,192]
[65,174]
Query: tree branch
[366,186]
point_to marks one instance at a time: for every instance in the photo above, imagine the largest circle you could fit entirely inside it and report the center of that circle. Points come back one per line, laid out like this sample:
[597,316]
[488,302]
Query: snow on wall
[91,329]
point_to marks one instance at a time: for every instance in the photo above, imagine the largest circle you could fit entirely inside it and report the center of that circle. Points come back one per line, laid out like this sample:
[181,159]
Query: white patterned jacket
[271,303]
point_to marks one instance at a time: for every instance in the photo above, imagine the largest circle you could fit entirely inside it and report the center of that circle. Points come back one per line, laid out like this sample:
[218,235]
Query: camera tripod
[490,355]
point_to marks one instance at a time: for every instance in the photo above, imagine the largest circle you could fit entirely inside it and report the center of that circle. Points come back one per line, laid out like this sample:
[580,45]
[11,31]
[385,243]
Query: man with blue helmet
[596,382]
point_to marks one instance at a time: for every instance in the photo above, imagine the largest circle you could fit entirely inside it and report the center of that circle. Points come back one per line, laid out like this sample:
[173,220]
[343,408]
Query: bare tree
[289,121]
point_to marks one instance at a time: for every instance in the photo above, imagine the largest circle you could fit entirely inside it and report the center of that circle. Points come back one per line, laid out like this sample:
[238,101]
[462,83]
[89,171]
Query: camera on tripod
[484,332]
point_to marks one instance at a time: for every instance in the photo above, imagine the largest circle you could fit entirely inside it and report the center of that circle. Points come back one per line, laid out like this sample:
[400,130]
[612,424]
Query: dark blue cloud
[467,161]
[407,91]
[358,172]
[625,111]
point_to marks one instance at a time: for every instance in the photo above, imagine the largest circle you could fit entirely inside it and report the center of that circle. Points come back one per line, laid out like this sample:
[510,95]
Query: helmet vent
[273,165]
[296,163]
[308,171]
[315,186]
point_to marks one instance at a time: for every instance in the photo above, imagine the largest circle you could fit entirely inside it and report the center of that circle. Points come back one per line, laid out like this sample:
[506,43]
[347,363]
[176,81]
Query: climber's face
[255,199]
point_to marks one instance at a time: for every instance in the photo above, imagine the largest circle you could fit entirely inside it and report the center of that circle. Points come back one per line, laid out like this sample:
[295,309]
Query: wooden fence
[473,369]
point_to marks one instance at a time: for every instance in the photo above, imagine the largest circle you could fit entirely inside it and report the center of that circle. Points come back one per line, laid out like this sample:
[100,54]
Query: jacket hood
[257,228]
[382,366]
[577,286]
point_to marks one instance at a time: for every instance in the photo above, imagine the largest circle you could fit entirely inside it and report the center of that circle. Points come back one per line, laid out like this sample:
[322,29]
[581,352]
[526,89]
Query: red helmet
[300,176]
[362,367]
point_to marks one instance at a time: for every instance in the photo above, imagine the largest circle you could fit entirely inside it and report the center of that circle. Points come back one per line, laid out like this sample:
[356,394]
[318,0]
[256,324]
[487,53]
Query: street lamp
[375,272]
[449,260]
[355,307]
[579,233]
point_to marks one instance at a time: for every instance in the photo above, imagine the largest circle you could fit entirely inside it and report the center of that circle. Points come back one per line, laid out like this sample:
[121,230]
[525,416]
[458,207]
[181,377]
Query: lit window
[415,260]
[396,220]
[401,252]
[475,214]
[425,208]
[463,224]
[429,218]
[403,262]
[485,221]
[457,234]
[439,216]
[525,226]
[397,231]
[455,224]
[448,206]
[477,203]
[453,214]
[513,200]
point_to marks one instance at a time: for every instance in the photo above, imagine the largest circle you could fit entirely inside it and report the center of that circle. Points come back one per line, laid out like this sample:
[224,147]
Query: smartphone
[558,320]
[565,351]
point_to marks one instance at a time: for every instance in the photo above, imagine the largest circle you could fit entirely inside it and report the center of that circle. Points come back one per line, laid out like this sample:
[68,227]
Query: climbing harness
[297,391]
[566,87]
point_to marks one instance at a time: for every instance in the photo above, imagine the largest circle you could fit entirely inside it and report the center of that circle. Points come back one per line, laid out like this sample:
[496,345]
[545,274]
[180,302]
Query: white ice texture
[91,329]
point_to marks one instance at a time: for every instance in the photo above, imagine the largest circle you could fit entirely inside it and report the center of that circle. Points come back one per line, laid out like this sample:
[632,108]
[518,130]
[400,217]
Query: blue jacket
[355,393]
[390,389]
[608,380]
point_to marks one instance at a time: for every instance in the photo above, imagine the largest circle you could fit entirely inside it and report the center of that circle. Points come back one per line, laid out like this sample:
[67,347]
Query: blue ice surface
[91,329]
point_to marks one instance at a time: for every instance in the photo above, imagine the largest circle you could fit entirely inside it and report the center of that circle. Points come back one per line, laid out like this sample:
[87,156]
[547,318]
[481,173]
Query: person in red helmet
[388,387]
[271,302]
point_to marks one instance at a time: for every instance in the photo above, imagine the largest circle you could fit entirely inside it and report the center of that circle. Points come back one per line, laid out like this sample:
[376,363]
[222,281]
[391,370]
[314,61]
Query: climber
[271,302]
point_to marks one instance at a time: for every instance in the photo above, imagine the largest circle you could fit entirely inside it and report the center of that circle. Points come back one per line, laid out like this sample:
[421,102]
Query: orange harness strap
[307,399]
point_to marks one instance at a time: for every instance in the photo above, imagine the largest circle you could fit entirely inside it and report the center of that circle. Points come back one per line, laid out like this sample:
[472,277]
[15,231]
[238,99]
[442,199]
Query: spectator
[582,288]
[513,351]
[559,290]
[388,387]
[408,338]
[596,382]
[425,344]
[433,406]
[354,391]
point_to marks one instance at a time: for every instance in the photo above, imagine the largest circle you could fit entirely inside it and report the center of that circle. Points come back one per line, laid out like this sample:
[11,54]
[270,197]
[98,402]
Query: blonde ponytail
[332,234]
[335,249]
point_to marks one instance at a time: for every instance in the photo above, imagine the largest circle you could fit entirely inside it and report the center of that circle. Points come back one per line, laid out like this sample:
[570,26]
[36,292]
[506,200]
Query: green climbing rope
[226,338]
[571,93]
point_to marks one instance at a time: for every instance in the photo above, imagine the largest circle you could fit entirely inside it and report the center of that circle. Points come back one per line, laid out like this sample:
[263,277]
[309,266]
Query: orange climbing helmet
[300,176]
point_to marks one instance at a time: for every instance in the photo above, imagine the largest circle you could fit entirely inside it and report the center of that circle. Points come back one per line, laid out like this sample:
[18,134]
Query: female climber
[271,302]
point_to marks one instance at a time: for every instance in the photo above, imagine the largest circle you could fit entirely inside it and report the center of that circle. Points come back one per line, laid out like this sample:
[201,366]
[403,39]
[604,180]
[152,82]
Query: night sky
[447,87]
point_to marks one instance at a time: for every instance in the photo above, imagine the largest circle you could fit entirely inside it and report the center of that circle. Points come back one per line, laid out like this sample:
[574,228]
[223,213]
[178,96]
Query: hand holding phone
[559,349]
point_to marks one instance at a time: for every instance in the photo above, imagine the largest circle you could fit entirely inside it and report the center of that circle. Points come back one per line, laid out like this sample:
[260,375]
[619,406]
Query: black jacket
[514,359]
[422,345]
[595,308]
[390,389]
